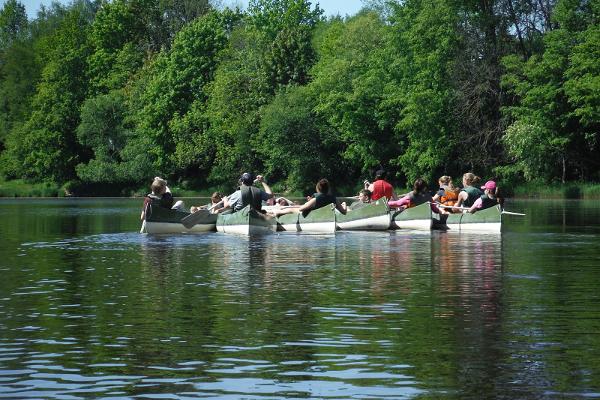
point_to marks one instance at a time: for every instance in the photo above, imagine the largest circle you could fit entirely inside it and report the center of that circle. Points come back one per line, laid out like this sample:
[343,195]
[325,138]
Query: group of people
[448,199]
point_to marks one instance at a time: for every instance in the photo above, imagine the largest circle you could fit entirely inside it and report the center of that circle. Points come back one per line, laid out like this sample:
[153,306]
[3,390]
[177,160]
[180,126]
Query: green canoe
[488,220]
[418,217]
[321,220]
[164,220]
[247,221]
[371,216]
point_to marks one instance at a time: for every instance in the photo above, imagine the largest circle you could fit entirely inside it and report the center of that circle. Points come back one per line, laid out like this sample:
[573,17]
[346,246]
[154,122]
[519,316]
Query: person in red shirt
[380,187]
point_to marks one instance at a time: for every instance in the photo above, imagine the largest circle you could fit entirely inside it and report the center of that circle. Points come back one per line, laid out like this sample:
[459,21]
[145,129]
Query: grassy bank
[572,190]
[19,188]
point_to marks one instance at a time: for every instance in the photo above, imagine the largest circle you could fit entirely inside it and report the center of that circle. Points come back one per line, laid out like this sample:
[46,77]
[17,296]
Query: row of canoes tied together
[373,216]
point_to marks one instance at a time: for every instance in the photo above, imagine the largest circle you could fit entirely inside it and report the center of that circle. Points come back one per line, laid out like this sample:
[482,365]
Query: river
[90,308]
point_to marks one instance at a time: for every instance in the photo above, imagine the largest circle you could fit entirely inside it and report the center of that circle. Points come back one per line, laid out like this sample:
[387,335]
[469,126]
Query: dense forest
[112,93]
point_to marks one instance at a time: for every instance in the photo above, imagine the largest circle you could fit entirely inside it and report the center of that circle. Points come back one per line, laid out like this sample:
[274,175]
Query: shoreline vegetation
[533,190]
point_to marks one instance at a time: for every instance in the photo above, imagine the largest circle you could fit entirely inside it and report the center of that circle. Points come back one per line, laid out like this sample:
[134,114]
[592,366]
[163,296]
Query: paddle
[190,220]
[513,213]
[466,208]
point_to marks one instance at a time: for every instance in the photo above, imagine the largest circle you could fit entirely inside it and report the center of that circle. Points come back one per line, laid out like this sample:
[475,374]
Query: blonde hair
[158,185]
[446,180]
[471,179]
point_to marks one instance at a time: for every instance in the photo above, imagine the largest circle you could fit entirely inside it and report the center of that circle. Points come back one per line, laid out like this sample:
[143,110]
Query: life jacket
[488,202]
[165,201]
[473,194]
[382,188]
[418,199]
[449,198]
[251,196]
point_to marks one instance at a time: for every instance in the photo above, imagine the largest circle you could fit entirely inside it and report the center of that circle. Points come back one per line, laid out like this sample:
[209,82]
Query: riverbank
[20,188]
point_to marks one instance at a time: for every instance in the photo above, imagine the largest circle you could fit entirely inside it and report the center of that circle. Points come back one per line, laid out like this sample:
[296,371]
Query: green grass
[20,188]
[570,190]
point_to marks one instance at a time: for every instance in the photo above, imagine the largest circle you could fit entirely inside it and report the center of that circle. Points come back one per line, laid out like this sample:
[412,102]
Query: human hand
[259,178]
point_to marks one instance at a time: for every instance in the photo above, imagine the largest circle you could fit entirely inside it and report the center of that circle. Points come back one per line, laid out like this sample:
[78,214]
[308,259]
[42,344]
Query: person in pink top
[488,199]
[418,196]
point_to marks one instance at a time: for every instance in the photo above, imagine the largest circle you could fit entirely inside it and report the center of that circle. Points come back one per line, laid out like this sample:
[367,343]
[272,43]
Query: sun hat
[490,185]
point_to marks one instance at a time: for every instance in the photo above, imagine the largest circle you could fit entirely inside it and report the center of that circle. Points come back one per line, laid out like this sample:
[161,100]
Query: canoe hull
[419,217]
[374,216]
[488,220]
[321,220]
[246,222]
[161,220]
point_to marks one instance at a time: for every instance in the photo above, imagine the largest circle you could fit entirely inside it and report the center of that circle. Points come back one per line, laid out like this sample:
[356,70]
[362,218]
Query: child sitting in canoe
[364,198]
[216,202]
[489,198]
[419,195]
[447,196]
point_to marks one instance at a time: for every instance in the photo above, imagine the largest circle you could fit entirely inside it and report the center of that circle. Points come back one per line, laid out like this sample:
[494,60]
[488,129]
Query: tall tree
[45,147]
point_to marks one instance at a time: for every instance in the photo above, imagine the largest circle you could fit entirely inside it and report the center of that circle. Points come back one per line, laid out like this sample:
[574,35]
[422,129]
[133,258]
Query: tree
[45,147]
[549,96]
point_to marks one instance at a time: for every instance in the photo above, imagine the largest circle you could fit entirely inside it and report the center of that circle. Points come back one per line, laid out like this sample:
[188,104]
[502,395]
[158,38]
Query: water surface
[90,308]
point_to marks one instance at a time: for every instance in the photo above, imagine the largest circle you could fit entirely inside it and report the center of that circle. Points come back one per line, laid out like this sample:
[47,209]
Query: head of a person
[419,186]
[216,197]
[445,180]
[322,186]
[380,174]
[469,179]
[158,186]
[490,187]
[246,179]
[364,195]
[282,202]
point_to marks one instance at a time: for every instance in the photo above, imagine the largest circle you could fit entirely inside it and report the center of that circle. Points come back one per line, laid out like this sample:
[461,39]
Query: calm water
[89,308]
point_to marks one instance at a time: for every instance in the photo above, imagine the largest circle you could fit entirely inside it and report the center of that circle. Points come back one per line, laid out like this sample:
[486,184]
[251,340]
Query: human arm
[341,207]
[309,205]
[266,187]
[476,206]
[403,202]
[462,196]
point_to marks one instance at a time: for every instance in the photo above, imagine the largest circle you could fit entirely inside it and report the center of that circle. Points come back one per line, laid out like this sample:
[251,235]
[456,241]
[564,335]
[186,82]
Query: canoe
[247,221]
[373,216]
[321,220]
[488,220]
[164,220]
[418,217]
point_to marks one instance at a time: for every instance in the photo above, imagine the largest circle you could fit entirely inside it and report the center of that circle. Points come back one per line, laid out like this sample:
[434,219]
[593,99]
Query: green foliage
[352,89]
[425,38]
[106,94]
[292,143]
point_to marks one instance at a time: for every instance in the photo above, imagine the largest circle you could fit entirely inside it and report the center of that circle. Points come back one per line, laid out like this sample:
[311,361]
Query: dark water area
[90,308]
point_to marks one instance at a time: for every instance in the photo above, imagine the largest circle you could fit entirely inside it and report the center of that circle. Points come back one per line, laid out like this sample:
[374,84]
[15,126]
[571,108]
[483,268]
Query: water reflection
[94,310]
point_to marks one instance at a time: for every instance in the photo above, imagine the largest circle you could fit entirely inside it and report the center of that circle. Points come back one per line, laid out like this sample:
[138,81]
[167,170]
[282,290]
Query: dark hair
[247,178]
[366,192]
[380,174]
[216,197]
[323,186]
[419,186]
